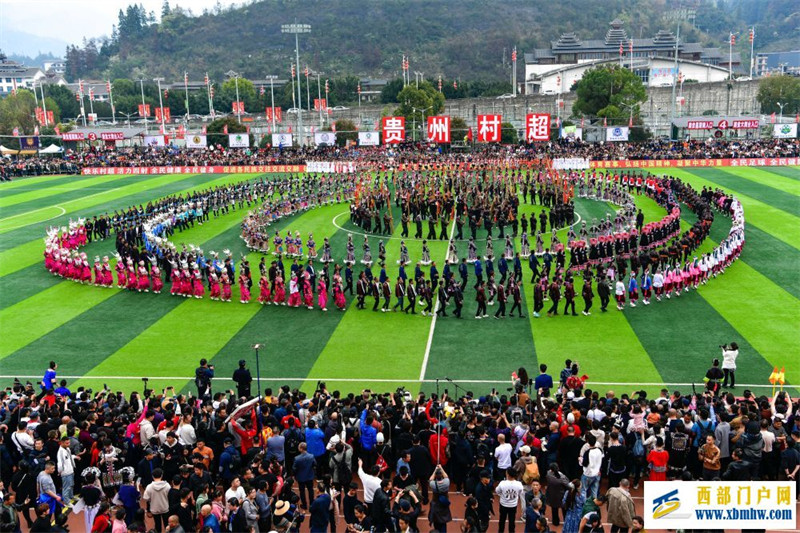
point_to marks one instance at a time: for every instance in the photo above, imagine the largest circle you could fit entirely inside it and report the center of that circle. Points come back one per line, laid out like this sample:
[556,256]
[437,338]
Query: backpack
[343,472]
[705,431]
[381,462]
[638,446]
[679,441]
[236,461]
[293,440]
[585,458]
[531,473]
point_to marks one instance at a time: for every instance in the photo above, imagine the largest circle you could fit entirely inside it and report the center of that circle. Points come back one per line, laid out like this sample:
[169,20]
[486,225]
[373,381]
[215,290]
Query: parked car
[505,96]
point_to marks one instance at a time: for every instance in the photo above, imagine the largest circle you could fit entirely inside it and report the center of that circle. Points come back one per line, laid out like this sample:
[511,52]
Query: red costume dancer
[294,292]
[175,280]
[308,296]
[144,278]
[338,297]
[156,283]
[244,289]
[121,277]
[265,296]
[214,281]
[322,298]
[187,288]
[98,272]
[198,287]
[226,287]
[280,291]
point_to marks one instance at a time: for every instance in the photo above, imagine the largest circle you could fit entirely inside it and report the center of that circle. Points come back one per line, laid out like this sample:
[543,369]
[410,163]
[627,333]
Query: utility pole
[674,82]
[144,106]
[271,78]
[161,104]
[296,29]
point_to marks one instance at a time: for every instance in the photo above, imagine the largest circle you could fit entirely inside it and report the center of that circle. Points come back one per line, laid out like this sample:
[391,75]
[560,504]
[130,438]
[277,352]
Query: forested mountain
[466,39]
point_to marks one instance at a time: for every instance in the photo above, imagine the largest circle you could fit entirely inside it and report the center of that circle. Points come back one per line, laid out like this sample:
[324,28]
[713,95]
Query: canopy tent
[52,149]
[4,150]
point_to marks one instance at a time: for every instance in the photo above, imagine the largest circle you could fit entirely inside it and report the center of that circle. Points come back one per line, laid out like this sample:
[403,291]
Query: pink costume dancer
[70,272]
[244,289]
[156,283]
[226,288]
[175,280]
[144,278]
[98,272]
[131,272]
[49,264]
[322,299]
[187,289]
[264,296]
[86,270]
[120,268]
[214,280]
[198,287]
[308,296]
[294,292]
[338,297]
[280,291]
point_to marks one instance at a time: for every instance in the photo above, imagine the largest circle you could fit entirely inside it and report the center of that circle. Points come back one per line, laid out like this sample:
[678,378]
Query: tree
[783,89]
[17,111]
[418,103]
[247,94]
[609,91]
[458,129]
[391,90]
[216,130]
[345,131]
[508,134]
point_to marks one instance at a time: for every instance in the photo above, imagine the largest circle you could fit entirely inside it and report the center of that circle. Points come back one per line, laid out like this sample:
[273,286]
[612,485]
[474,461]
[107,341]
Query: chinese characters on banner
[162,111]
[144,110]
[439,129]
[276,111]
[320,103]
[489,128]
[237,108]
[537,127]
[394,130]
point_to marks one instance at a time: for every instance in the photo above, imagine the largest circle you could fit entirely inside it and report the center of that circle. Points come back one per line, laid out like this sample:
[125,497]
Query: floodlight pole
[297,29]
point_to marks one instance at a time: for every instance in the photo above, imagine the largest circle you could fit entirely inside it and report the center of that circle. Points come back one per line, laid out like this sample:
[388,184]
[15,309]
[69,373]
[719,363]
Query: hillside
[470,39]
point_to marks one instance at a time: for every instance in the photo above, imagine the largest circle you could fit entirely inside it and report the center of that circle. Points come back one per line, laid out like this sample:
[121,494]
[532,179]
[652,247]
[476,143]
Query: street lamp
[297,29]
[257,347]
[414,120]
[161,104]
[144,106]
[235,76]
[272,78]
[781,104]
[127,117]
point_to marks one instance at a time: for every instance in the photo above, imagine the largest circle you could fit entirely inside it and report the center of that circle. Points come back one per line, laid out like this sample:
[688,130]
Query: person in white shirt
[729,355]
[235,491]
[502,454]
[591,460]
[511,494]
[619,292]
[146,429]
[371,483]
[66,469]
[23,439]
[186,433]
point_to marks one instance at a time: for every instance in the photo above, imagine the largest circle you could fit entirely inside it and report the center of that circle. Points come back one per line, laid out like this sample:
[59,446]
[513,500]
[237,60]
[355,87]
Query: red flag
[752,34]
[733,39]
[582,119]
[225,129]
[206,78]
[469,134]
[263,91]
[58,130]
[605,122]
[36,130]
[290,129]
[333,127]
[204,130]
[630,121]
[772,118]
[621,50]
[514,54]
[455,85]
[797,117]
[166,93]
[108,86]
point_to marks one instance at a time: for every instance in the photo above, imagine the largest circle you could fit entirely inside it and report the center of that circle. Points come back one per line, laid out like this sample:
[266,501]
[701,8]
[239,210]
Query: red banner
[276,111]
[394,130]
[72,136]
[112,136]
[217,169]
[439,129]
[537,127]
[489,128]
[144,110]
[238,108]
[723,124]
[320,103]
[162,111]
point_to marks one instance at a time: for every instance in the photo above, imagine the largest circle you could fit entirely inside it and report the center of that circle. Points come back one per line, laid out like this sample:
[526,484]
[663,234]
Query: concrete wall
[699,98]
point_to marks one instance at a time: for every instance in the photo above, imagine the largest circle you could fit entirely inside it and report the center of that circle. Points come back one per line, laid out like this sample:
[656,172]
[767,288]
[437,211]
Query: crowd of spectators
[547,451]
[73,161]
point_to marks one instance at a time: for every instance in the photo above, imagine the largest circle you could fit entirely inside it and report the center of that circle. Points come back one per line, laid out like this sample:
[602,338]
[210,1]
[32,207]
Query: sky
[72,20]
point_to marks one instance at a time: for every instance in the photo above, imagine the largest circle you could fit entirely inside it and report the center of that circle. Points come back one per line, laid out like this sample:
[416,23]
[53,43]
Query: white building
[59,66]
[15,75]
[554,70]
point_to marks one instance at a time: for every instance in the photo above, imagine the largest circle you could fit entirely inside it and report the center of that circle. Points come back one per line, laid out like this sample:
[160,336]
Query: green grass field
[117,337]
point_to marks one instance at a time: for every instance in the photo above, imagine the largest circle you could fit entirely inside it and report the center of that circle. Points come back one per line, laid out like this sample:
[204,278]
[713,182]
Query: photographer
[202,379]
[729,355]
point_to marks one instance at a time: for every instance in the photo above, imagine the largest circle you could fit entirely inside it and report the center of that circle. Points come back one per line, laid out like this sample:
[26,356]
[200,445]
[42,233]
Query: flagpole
[272,100]
[186,88]
[319,99]
[144,106]
[161,104]
[91,100]
[36,96]
[111,101]
[44,104]
[308,91]
[752,49]
[730,56]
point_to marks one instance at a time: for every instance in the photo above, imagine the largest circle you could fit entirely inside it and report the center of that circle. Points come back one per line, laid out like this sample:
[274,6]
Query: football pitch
[117,337]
